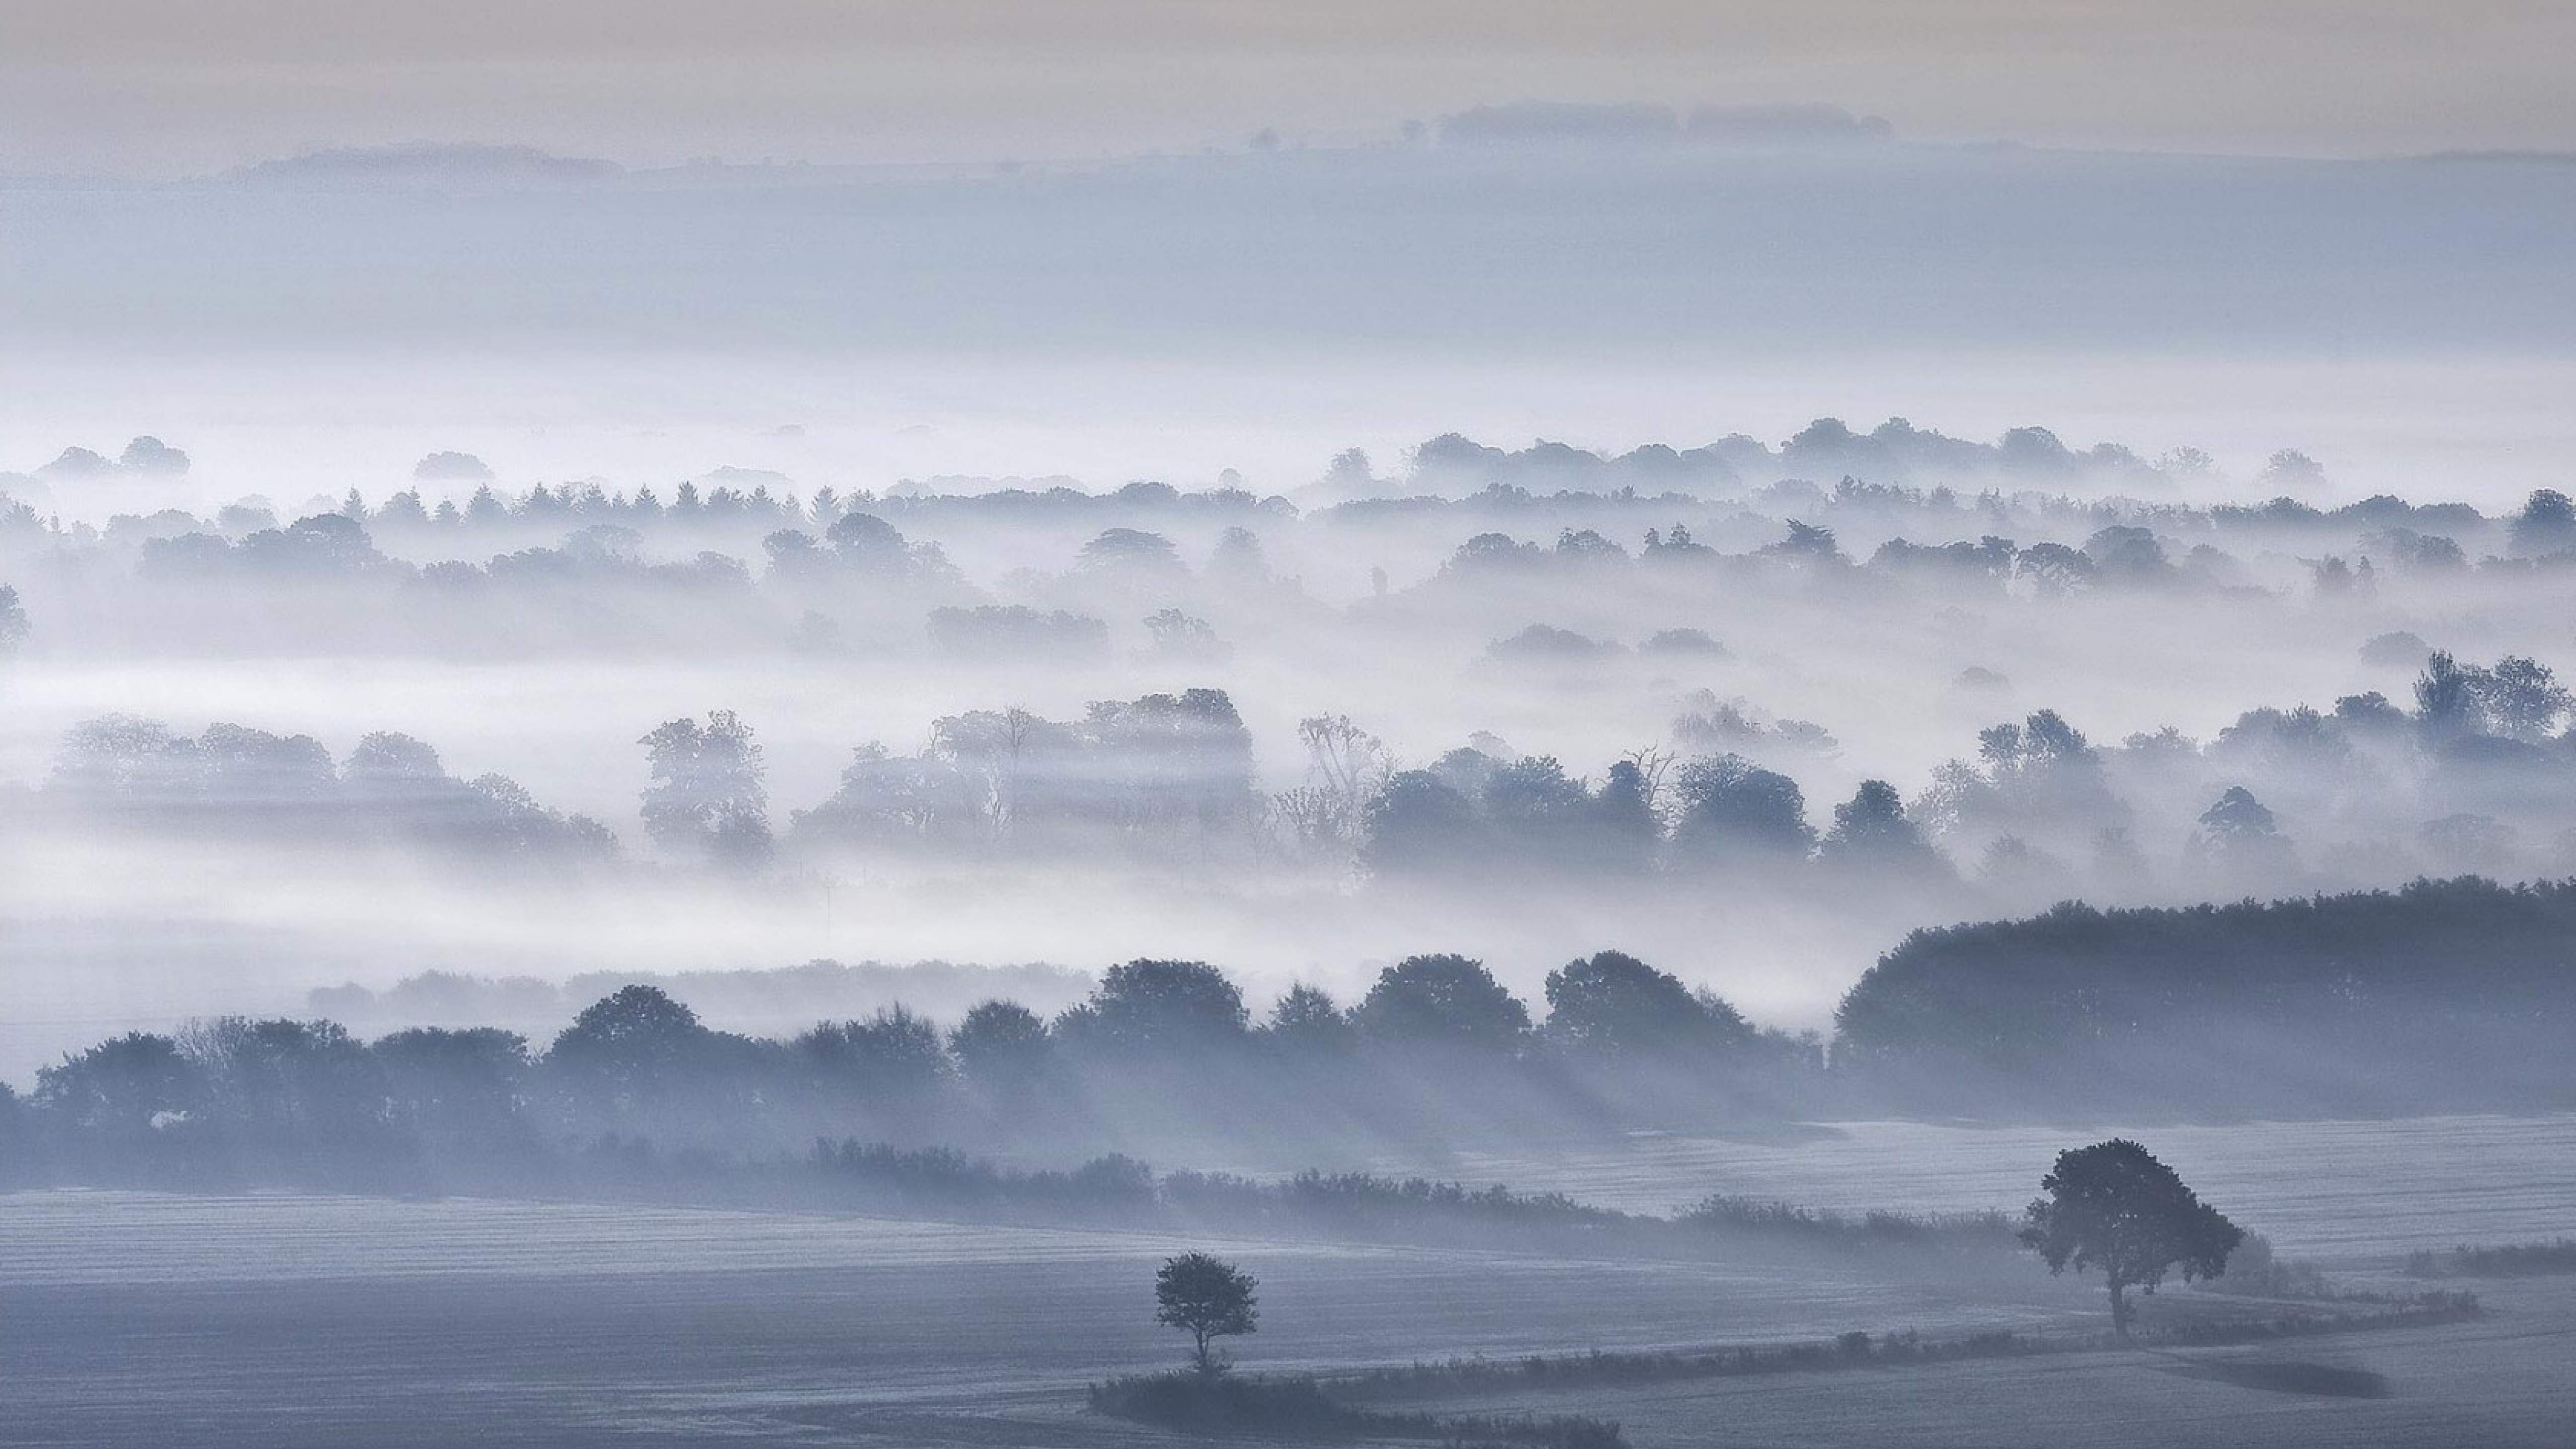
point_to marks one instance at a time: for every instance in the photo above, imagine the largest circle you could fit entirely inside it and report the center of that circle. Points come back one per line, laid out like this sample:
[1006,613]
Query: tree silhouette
[1732,807]
[1159,1007]
[1307,1020]
[1420,824]
[1442,1000]
[2447,702]
[1207,1298]
[2240,834]
[635,1044]
[2113,1206]
[1000,1044]
[2546,524]
[1871,832]
[707,790]
[13,621]
[1614,1005]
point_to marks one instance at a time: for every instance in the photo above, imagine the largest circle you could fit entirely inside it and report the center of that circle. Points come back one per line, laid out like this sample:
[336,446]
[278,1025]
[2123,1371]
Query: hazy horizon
[855,722]
[150,87]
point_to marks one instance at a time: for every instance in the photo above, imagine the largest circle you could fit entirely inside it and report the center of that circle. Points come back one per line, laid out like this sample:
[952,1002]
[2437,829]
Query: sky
[158,88]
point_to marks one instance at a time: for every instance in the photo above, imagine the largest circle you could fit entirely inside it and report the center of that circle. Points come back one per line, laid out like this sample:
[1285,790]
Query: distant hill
[430,164]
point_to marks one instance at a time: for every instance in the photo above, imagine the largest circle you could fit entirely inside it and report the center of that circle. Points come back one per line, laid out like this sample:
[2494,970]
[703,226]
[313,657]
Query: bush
[1235,1404]
[2507,1260]
[1227,1403]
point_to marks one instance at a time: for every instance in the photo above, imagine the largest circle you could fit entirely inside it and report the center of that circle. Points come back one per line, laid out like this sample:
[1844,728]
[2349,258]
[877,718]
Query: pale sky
[169,87]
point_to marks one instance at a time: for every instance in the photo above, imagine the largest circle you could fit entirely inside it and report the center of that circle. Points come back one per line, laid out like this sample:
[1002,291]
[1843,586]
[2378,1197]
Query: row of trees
[2038,813]
[229,780]
[288,1098]
[855,537]
[2035,813]
[2456,993]
[1878,470]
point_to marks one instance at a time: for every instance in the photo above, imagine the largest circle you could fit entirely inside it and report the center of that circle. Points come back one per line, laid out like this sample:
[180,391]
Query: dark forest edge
[2443,995]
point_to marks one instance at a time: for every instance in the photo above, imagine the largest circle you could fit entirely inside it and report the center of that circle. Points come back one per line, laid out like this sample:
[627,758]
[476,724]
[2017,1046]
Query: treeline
[1436,1051]
[2478,776]
[231,781]
[1362,1207]
[602,540]
[836,550]
[1894,468]
[786,996]
[2444,993]
[2546,1258]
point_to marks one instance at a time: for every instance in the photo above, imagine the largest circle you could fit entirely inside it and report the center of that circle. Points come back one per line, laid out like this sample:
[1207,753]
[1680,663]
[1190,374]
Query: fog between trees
[1513,703]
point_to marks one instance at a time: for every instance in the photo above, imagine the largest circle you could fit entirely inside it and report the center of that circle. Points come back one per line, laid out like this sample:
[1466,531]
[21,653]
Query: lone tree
[1210,1298]
[2114,1206]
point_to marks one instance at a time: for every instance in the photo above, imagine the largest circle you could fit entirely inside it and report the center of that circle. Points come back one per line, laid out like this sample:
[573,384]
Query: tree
[631,1046]
[2114,1206]
[1000,1044]
[1614,1005]
[290,1087]
[2290,470]
[465,1085]
[893,1054]
[2125,553]
[1871,830]
[1623,828]
[2239,833]
[123,1086]
[1346,769]
[2055,570]
[1447,1000]
[1207,1298]
[869,542]
[707,790]
[1159,1006]
[2546,524]
[1533,808]
[2522,697]
[1732,807]
[2447,699]
[1307,1020]
[1420,825]
[13,621]
[1134,554]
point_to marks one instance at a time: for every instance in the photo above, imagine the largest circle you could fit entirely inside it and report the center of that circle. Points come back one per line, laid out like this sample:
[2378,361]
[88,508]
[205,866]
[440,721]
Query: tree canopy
[2113,1206]
[1207,1298]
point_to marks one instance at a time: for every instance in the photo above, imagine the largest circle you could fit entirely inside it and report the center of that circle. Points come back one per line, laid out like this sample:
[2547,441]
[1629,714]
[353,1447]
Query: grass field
[130,1318]
[2505,1381]
[2334,1190]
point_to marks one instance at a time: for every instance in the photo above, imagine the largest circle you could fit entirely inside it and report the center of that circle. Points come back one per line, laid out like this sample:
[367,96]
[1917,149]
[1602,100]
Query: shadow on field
[2289,1378]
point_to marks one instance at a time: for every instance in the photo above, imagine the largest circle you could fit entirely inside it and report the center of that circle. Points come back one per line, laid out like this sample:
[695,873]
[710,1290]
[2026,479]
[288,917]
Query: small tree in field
[2113,1206]
[1210,1299]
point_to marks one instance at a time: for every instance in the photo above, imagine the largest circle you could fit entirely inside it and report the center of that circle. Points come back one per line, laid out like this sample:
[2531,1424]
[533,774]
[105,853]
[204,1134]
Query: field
[131,1318]
[2332,1190]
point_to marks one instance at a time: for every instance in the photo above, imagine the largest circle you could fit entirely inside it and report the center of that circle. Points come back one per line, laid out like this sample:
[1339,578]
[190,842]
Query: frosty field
[2331,1190]
[291,1319]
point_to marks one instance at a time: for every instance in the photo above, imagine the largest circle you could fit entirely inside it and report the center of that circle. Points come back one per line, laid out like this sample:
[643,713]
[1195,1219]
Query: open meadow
[286,1319]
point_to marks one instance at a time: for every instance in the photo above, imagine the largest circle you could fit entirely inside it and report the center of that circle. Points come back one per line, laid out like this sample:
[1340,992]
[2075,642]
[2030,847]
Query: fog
[1691,686]
[1454,611]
